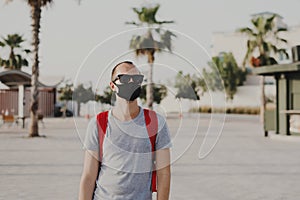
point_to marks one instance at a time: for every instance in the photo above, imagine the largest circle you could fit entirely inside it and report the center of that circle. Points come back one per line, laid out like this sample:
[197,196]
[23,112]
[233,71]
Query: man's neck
[126,111]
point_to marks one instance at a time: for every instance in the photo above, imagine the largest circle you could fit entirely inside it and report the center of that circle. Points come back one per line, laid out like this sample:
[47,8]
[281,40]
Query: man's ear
[112,86]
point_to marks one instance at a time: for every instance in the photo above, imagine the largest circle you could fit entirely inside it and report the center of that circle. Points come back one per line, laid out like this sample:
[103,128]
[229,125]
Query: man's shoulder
[99,113]
[160,117]
[102,112]
[158,113]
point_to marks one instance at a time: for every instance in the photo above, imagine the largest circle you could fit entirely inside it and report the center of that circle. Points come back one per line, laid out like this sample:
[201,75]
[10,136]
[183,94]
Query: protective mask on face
[129,91]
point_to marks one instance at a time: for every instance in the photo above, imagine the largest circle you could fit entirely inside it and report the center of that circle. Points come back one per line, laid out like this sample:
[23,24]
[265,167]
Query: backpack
[151,125]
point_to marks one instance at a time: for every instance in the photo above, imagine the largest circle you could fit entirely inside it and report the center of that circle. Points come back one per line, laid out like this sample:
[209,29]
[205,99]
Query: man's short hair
[116,66]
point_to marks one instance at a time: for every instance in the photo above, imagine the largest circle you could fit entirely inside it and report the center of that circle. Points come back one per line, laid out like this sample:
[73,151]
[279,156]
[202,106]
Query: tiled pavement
[243,164]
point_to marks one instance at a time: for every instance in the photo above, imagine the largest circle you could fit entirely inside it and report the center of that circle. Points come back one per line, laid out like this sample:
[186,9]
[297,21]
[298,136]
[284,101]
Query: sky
[82,42]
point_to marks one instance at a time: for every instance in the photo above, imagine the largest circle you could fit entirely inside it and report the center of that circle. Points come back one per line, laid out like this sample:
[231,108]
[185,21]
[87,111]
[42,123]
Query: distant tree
[159,93]
[263,38]
[82,95]
[108,97]
[15,60]
[187,86]
[147,45]
[66,92]
[225,66]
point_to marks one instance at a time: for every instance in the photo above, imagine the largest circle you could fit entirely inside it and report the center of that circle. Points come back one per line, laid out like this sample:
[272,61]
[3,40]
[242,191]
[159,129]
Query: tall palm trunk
[12,54]
[12,58]
[149,89]
[36,17]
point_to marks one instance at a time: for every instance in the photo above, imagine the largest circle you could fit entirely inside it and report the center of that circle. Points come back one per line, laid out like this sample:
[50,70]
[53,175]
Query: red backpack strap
[152,128]
[102,119]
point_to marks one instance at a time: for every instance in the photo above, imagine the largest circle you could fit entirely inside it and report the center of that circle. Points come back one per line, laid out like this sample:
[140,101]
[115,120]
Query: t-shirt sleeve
[163,139]
[91,136]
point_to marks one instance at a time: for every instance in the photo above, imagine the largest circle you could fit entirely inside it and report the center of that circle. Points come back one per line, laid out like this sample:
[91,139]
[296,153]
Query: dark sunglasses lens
[138,78]
[124,78]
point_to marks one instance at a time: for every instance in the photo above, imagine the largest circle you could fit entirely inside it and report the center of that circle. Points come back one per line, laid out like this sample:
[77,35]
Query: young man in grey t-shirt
[126,167]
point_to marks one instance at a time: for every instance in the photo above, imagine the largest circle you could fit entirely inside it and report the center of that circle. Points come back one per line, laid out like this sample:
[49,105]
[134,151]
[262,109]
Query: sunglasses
[125,78]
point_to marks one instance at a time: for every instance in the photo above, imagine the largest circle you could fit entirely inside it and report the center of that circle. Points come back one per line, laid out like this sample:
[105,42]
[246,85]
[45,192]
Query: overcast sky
[70,31]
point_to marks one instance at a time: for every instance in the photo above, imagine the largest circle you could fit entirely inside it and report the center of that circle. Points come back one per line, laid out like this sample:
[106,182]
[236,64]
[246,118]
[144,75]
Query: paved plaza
[242,165]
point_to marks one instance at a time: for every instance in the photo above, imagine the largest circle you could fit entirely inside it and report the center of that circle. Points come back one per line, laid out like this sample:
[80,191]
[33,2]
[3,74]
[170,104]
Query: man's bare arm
[163,174]
[89,175]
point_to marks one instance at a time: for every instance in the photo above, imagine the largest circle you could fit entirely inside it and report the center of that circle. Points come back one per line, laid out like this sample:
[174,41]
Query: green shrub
[228,110]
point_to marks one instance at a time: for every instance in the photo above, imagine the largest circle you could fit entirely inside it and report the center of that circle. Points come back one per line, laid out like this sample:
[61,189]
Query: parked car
[58,111]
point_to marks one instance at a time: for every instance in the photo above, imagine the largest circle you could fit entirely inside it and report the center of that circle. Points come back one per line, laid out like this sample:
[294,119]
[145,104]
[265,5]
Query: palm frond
[251,46]
[281,40]
[42,3]
[165,22]
[24,62]
[133,23]
[269,26]
[27,51]
[133,44]
[148,15]
[248,31]
[137,11]
[281,30]
[166,39]
[283,52]
[255,22]
[270,19]
[269,47]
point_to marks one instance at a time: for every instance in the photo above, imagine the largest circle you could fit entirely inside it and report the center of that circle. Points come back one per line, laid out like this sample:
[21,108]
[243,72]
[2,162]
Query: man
[126,166]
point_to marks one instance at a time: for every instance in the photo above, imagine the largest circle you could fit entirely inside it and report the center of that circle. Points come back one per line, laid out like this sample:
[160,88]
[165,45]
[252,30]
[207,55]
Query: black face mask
[129,91]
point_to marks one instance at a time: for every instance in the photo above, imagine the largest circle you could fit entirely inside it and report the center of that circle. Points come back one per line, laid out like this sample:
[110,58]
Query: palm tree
[263,39]
[146,44]
[15,61]
[36,9]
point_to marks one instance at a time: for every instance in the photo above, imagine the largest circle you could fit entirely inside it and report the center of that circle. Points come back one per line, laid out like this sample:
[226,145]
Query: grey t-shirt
[127,157]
